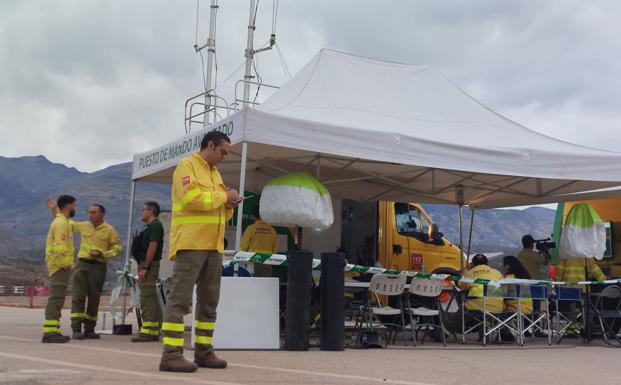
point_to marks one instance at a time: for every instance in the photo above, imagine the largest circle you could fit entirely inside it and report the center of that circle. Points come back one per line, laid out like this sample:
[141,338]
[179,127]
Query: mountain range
[25,182]
[24,217]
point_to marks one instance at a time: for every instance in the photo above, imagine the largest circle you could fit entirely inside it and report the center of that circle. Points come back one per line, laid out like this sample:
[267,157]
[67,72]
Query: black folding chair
[607,310]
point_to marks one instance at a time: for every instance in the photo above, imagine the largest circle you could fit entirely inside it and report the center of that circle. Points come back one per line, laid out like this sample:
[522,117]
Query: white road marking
[244,366]
[135,373]
[30,374]
[333,375]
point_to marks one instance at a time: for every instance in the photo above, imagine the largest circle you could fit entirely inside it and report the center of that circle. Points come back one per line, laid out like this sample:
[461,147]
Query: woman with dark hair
[513,268]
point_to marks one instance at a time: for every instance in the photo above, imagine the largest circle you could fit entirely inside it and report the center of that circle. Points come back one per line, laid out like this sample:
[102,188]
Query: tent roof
[376,130]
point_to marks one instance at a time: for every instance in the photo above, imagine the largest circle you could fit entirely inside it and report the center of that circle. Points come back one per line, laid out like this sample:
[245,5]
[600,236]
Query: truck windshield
[411,222]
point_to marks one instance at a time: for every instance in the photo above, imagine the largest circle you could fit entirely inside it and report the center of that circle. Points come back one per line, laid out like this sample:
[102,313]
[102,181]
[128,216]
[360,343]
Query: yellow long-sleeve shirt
[103,238]
[198,202]
[260,238]
[572,270]
[59,245]
[526,303]
[494,302]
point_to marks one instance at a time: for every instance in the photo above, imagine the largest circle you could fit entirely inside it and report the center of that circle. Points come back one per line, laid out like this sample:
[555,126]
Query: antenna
[209,108]
[211,55]
[250,51]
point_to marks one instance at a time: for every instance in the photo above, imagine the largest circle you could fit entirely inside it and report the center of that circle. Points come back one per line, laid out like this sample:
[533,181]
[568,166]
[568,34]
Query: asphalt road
[114,360]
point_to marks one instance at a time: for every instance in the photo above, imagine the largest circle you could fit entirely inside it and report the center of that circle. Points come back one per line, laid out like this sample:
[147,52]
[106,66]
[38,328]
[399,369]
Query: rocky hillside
[24,217]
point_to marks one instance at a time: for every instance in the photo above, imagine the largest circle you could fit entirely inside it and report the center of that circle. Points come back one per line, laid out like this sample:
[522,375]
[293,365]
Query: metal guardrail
[239,101]
[189,112]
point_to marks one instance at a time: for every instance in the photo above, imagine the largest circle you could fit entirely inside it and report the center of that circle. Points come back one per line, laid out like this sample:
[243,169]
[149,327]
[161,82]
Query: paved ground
[113,360]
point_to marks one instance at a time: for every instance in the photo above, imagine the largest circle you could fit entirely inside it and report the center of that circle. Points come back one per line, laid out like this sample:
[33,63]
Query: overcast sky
[89,83]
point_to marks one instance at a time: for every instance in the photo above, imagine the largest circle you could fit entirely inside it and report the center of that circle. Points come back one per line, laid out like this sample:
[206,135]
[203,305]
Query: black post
[332,288]
[299,286]
[587,306]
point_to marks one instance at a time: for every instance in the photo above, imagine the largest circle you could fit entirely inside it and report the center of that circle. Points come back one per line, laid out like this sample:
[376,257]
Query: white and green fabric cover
[584,234]
[296,199]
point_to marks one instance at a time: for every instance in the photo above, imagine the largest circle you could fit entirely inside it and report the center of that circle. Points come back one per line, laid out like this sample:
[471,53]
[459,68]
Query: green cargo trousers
[88,281]
[149,304]
[58,288]
[203,267]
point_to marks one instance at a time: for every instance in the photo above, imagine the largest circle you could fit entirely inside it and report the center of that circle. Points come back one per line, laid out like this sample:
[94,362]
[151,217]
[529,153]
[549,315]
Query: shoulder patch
[185,180]
[63,237]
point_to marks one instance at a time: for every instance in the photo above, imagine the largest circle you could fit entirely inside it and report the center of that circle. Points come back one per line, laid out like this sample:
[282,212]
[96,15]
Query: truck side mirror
[435,232]
[397,249]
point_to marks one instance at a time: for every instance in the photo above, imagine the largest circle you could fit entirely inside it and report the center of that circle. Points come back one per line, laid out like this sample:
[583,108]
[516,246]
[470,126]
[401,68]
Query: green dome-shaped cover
[297,199]
[584,234]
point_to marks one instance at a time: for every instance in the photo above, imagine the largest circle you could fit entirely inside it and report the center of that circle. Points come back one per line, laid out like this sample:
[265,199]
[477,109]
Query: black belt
[90,261]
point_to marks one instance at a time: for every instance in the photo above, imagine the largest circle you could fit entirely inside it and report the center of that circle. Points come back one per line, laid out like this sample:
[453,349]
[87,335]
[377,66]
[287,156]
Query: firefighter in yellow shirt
[260,238]
[201,205]
[59,260]
[99,242]
[572,270]
[493,303]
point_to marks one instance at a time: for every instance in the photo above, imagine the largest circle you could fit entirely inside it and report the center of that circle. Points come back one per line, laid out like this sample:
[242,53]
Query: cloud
[89,84]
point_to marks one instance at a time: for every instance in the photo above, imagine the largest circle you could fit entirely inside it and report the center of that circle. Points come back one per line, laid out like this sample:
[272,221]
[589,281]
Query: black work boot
[178,364]
[91,335]
[55,338]
[145,338]
[209,360]
[77,335]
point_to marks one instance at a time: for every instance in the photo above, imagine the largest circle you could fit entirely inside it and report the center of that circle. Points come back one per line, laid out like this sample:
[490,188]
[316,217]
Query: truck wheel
[446,270]
[452,322]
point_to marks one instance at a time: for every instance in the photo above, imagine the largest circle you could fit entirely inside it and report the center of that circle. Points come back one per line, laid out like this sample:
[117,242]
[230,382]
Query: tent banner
[169,155]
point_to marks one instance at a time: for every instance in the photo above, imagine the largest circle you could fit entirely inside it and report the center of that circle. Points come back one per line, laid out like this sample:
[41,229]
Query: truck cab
[409,240]
[399,235]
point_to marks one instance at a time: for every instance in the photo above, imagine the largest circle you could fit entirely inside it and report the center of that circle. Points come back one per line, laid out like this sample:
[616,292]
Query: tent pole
[128,247]
[461,239]
[459,197]
[461,263]
[242,186]
[471,224]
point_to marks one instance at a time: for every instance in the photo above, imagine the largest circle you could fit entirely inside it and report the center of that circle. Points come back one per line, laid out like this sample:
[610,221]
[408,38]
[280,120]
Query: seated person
[514,269]
[480,269]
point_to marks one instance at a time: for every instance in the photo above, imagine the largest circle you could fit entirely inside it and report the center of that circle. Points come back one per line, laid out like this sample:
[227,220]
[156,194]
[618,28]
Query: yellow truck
[609,210]
[403,235]
[395,235]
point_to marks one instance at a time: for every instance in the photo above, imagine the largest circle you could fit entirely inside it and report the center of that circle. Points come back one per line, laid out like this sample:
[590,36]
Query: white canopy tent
[376,130]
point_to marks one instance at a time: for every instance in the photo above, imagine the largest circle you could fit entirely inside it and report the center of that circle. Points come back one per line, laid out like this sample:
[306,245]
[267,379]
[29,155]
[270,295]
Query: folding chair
[389,286]
[489,322]
[506,319]
[607,310]
[568,314]
[539,320]
[430,289]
